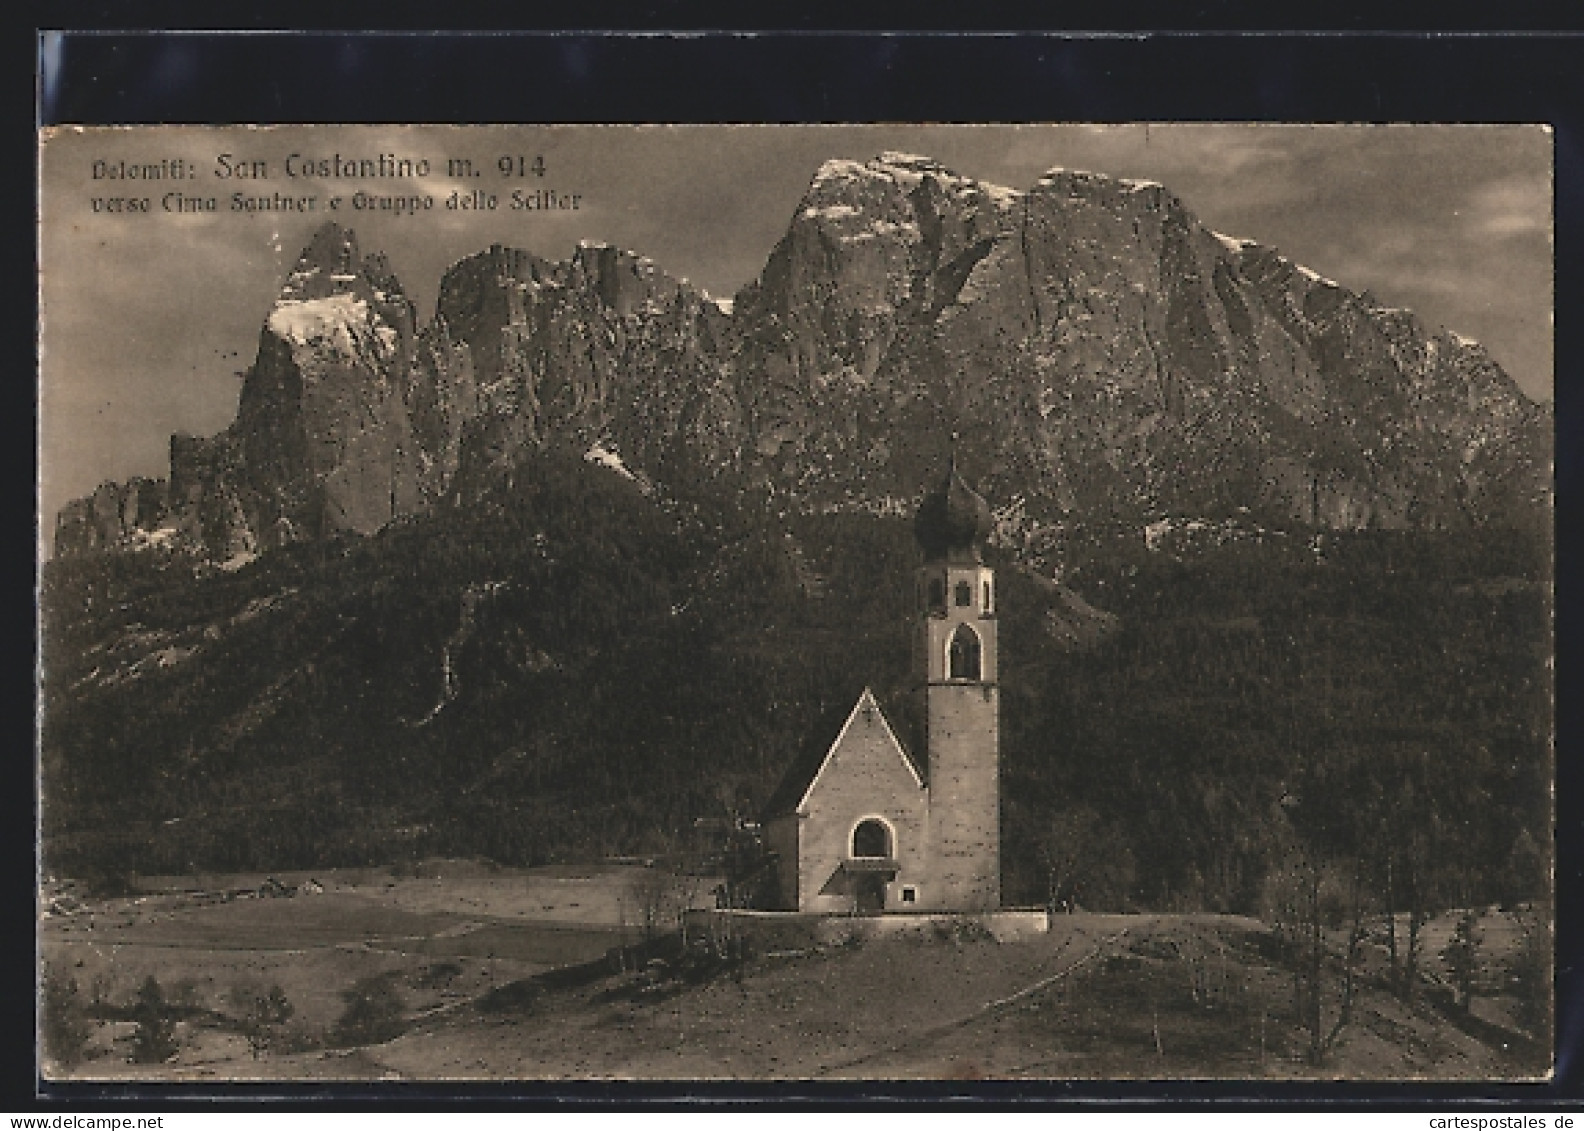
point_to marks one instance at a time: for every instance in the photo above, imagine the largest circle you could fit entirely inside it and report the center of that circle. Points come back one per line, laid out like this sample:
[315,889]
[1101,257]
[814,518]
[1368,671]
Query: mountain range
[1096,355]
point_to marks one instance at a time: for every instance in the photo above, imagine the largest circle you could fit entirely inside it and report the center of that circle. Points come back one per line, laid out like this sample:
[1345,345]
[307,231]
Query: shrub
[963,928]
[64,1026]
[264,1015]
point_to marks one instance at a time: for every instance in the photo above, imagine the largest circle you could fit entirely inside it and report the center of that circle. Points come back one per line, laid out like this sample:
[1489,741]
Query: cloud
[1513,206]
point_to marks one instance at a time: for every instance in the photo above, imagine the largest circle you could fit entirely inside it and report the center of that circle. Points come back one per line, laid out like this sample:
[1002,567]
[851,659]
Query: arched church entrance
[871,839]
[872,864]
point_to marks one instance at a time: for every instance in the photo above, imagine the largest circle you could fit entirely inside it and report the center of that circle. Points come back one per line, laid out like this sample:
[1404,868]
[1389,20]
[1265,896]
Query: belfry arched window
[871,840]
[964,594]
[963,654]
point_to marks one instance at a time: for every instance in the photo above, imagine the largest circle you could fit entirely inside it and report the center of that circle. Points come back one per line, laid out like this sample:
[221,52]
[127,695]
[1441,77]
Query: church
[867,827]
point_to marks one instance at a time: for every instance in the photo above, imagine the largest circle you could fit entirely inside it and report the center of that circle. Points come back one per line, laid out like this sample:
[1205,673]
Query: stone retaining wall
[791,930]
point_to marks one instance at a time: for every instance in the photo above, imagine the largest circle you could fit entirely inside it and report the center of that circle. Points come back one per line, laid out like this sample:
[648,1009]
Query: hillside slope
[578,669]
[1100,998]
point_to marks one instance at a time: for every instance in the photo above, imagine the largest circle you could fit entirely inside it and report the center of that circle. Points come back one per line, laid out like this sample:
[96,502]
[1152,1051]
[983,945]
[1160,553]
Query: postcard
[888,602]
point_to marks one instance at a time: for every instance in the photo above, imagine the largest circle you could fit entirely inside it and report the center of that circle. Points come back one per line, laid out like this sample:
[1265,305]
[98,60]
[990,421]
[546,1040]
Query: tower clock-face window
[964,594]
[963,654]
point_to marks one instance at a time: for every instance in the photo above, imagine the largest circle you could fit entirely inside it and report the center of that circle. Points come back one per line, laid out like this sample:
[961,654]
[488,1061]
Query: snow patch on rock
[841,169]
[829,212]
[1233,243]
[610,459]
[1315,276]
[339,322]
[907,231]
[305,321]
[1000,195]
[1179,535]
[160,538]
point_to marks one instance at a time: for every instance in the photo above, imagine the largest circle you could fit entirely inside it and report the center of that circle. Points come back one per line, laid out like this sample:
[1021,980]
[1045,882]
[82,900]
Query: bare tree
[1301,901]
[659,898]
[1081,854]
[1530,970]
[1461,954]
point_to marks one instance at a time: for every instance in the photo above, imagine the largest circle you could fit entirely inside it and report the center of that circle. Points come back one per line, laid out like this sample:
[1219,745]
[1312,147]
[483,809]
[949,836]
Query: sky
[148,320]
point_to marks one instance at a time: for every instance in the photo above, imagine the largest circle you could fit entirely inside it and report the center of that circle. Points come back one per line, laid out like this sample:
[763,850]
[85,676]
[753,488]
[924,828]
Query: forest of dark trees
[573,669]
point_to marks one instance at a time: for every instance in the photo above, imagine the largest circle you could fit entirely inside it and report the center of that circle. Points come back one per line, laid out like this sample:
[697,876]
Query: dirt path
[866,1063]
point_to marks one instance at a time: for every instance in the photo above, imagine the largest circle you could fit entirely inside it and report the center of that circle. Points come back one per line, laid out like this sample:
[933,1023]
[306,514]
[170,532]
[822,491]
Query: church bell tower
[957,660]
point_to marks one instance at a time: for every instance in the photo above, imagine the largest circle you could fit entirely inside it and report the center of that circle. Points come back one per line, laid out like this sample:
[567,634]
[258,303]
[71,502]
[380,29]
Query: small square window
[910,895]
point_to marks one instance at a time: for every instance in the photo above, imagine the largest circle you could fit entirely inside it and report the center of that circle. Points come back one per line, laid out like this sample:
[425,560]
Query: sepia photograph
[796,603]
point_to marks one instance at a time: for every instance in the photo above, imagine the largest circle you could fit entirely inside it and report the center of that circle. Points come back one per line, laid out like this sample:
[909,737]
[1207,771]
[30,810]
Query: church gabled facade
[865,827]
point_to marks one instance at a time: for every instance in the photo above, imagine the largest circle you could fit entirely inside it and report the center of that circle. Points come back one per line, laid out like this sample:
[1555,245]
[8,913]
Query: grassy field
[435,938]
[1100,996]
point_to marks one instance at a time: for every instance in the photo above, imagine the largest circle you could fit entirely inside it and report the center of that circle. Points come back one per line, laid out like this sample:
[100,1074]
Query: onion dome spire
[953,520]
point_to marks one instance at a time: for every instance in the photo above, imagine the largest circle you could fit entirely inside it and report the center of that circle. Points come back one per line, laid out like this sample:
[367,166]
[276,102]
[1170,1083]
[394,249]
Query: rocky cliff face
[602,349]
[1104,356]
[323,425]
[114,515]
[323,441]
[1100,355]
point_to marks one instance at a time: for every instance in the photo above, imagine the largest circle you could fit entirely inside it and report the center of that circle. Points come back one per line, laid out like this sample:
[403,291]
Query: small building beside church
[867,827]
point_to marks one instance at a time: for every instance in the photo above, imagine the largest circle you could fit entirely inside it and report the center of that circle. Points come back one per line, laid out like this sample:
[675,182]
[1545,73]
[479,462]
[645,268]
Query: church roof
[802,774]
